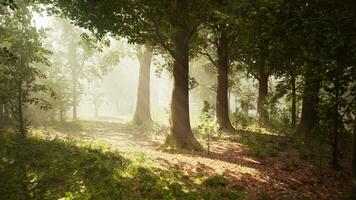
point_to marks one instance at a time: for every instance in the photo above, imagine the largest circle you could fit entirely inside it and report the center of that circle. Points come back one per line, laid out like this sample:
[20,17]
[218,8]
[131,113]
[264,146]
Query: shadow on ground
[255,165]
[33,168]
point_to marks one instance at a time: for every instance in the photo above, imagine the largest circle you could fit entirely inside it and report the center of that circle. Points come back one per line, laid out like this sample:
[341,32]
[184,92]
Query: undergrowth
[37,168]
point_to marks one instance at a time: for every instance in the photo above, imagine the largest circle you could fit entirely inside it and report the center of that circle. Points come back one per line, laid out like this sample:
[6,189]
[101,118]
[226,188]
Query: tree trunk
[142,114]
[294,102]
[53,115]
[75,100]
[335,161]
[7,112]
[61,115]
[181,135]
[262,94]
[309,112]
[96,111]
[222,101]
[3,113]
[353,190]
[20,110]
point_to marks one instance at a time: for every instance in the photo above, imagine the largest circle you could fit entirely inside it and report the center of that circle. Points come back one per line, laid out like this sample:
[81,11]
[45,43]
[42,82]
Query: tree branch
[207,55]
[161,41]
[347,108]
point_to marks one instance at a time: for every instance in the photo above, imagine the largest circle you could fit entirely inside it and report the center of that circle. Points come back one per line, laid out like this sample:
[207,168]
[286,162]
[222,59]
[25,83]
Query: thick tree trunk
[262,111]
[294,102]
[222,101]
[181,135]
[309,112]
[142,114]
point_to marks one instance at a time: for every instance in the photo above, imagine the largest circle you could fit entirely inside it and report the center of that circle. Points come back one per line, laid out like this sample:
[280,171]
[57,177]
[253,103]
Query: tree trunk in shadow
[309,104]
[222,101]
[353,189]
[335,142]
[7,112]
[21,119]
[181,135]
[294,102]
[262,111]
[142,114]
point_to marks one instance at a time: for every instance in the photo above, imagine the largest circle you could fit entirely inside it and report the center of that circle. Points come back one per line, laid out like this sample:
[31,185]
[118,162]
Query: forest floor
[252,164]
[267,165]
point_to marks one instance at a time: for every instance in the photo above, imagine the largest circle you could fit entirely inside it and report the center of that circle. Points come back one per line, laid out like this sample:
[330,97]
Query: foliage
[215,185]
[20,63]
[244,97]
[303,50]
[71,170]
[206,127]
[263,145]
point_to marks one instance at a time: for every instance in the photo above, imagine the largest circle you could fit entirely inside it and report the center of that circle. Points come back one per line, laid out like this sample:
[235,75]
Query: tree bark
[335,160]
[2,106]
[61,115]
[7,112]
[294,102]
[309,112]
[262,111]
[353,190]
[20,110]
[222,101]
[181,135]
[75,100]
[142,114]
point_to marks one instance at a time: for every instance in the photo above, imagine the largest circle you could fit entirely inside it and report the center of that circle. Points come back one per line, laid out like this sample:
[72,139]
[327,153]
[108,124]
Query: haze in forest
[177,99]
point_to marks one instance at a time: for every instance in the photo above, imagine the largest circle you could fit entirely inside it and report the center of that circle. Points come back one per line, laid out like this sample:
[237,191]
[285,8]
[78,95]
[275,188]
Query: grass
[82,167]
[38,168]
[264,144]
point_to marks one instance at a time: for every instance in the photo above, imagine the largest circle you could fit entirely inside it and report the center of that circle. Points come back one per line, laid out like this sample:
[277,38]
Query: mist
[175,100]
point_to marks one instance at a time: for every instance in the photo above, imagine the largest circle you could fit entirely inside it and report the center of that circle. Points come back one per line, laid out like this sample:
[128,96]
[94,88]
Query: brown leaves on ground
[283,175]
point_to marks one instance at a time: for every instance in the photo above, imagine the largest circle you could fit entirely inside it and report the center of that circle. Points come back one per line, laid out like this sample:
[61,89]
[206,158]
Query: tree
[75,62]
[259,46]
[142,114]
[96,96]
[20,71]
[221,40]
[353,189]
[155,23]
[324,44]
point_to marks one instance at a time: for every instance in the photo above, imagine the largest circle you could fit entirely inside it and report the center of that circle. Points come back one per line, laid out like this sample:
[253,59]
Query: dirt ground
[285,175]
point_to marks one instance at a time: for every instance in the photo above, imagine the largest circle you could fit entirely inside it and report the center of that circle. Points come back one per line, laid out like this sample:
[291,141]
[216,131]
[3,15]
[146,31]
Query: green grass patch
[37,168]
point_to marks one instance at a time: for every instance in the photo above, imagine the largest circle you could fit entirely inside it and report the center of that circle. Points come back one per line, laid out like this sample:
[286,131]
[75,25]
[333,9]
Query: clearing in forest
[251,164]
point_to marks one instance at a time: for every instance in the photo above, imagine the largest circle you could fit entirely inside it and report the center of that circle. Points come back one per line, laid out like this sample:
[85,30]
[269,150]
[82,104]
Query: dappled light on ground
[264,164]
